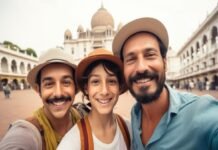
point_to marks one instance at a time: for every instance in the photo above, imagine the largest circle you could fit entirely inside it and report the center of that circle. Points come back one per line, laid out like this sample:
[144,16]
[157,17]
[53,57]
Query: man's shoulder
[23,134]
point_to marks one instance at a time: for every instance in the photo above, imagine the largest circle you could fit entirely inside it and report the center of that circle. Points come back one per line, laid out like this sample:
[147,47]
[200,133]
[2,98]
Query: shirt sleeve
[71,140]
[21,135]
[214,143]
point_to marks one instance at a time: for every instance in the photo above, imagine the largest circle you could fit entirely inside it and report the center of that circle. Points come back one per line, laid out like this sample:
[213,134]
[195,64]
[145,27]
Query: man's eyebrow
[68,76]
[46,79]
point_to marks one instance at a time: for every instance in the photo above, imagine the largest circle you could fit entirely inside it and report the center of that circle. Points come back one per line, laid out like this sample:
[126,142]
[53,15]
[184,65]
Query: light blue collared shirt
[191,123]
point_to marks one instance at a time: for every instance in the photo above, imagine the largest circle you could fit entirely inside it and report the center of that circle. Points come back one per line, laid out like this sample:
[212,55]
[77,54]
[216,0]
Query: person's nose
[58,90]
[141,65]
[104,88]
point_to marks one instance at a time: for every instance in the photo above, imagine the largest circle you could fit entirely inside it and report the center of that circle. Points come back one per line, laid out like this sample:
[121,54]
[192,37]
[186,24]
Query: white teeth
[103,101]
[59,103]
[143,80]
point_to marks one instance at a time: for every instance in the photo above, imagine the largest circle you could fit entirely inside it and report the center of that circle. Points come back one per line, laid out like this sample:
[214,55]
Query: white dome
[102,18]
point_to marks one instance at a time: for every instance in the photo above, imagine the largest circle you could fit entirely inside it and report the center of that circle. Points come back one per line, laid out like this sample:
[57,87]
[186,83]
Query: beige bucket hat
[54,55]
[142,24]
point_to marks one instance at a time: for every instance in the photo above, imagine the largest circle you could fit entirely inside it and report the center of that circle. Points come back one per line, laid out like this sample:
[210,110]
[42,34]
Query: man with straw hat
[54,80]
[162,118]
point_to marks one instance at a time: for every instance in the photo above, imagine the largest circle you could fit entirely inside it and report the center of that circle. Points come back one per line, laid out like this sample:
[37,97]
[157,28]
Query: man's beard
[143,96]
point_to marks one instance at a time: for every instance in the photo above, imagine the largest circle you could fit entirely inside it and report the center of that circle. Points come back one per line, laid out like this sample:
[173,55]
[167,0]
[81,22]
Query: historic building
[198,57]
[14,66]
[173,66]
[101,35]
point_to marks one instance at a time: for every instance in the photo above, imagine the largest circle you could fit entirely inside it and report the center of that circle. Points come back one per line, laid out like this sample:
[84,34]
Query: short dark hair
[163,49]
[108,66]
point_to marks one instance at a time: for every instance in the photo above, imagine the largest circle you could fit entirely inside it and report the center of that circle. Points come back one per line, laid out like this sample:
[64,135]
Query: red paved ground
[23,103]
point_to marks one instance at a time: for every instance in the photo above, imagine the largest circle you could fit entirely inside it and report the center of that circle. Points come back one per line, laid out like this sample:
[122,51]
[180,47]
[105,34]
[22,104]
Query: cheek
[127,72]
[71,90]
[92,89]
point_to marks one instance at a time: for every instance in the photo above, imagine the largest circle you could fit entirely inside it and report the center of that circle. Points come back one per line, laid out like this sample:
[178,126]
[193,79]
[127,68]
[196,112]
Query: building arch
[4,65]
[204,40]
[192,53]
[14,66]
[197,47]
[15,84]
[28,67]
[22,68]
[214,35]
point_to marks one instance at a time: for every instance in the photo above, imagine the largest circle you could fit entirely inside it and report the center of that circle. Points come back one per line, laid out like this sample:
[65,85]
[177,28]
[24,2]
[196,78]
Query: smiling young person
[162,118]
[54,80]
[100,78]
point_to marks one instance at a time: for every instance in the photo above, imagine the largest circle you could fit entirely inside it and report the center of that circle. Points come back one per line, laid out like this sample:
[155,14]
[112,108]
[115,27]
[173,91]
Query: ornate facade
[101,35]
[198,57]
[14,67]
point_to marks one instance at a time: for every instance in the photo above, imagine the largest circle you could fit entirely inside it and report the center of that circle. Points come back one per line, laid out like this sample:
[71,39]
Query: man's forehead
[60,69]
[56,66]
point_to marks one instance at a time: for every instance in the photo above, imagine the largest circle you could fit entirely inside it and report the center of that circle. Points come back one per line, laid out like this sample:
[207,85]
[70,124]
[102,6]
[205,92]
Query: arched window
[4,65]
[28,67]
[214,35]
[22,68]
[192,53]
[14,66]
[197,47]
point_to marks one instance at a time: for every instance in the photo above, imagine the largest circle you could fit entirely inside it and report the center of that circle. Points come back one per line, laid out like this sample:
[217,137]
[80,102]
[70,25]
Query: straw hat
[53,55]
[98,54]
[139,25]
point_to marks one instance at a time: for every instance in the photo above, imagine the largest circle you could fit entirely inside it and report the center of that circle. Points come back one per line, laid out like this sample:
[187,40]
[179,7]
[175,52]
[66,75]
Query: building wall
[14,67]
[198,57]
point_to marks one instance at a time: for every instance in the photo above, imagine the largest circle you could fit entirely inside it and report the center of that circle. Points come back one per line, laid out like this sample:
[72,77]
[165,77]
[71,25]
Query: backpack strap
[35,122]
[85,134]
[124,130]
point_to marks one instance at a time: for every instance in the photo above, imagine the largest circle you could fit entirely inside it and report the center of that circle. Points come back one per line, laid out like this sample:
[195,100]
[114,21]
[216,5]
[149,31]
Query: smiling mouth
[144,80]
[58,103]
[104,101]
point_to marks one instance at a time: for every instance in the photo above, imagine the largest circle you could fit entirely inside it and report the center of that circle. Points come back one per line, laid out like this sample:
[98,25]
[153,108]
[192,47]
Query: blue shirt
[191,123]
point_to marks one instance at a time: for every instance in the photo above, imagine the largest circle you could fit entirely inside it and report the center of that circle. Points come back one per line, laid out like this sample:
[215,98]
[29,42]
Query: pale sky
[40,24]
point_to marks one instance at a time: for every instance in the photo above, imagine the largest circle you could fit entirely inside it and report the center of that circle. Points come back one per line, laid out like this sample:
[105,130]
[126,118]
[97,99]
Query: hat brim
[89,60]
[139,25]
[32,75]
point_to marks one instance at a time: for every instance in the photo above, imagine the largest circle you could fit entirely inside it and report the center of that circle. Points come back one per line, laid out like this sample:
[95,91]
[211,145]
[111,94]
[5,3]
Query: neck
[61,125]
[101,121]
[155,110]
[103,126]
[151,115]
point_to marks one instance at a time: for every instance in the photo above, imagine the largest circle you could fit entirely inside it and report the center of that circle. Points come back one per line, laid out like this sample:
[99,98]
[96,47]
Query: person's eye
[129,60]
[113,81]
[67,82]
[150,55]
[94,81]
[48,84]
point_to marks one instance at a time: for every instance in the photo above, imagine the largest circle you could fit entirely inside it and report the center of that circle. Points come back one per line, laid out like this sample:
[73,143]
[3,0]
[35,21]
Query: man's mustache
[145,74]
[58,99]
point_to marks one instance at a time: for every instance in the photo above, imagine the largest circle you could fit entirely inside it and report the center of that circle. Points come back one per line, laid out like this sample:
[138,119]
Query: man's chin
[145,97]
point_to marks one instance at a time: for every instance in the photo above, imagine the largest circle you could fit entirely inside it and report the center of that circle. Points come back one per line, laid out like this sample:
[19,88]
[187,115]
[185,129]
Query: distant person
[7,91]
[100,78]
[163,118]
[199,85]
[191,85]
[54,80]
